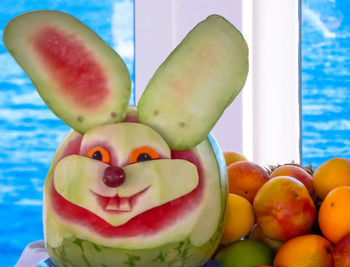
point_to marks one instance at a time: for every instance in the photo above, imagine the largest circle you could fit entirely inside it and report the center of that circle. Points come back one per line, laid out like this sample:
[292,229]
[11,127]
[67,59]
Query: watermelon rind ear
[189,92]
[79,76]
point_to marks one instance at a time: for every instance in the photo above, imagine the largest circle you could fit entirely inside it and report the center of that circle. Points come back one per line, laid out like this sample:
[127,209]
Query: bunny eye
[142,154]
[99,153]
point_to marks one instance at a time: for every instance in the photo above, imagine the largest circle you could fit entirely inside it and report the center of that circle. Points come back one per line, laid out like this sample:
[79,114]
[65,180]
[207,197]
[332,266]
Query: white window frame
[263,122]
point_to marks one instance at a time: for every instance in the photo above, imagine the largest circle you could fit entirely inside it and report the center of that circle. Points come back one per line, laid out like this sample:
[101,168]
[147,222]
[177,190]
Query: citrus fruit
[331,174]
[334,214]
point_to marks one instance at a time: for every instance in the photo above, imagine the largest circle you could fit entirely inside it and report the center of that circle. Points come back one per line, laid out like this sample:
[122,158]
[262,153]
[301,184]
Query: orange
[334,214]
[331,174]
[232,157]
[245,179]
[240,219]
[305,251]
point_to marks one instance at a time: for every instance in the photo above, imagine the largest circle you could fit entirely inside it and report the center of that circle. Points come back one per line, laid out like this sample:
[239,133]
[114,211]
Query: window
[325,80]
[30,132]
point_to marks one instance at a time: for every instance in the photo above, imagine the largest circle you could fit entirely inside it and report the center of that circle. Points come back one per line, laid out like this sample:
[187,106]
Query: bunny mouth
[118,204]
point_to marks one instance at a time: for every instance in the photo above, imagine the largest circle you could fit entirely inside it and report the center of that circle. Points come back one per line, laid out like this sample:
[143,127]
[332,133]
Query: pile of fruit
[286,216]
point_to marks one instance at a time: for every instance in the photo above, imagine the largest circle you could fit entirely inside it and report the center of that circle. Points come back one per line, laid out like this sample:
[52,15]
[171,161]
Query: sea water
[325,80]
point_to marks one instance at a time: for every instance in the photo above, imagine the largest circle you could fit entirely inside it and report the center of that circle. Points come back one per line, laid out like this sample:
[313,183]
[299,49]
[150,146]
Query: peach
[284,208]
[341,252]
[305,251]
[245,179]
[296,172]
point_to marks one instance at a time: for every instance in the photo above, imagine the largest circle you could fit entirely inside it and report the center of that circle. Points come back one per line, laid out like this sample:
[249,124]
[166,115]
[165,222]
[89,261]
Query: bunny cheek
[153,198]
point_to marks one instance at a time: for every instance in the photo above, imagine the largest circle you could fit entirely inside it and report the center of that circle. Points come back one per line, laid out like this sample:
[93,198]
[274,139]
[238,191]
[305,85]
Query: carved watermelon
[144,188]
[184,231]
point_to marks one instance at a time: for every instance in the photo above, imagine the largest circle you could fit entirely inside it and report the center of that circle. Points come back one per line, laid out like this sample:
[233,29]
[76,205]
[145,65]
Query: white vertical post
[275,69]
[160,26]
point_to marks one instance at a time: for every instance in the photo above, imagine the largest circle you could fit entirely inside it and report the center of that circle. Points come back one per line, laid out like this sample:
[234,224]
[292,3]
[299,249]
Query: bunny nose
[114,176]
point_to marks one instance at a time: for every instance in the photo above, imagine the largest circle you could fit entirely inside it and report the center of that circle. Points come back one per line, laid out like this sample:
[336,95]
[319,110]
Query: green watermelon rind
[77,252]
[191,89]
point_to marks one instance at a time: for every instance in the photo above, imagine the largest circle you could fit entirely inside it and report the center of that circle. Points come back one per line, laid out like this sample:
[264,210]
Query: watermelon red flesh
[73,147]
[130,118]
[147,223]
[72,66]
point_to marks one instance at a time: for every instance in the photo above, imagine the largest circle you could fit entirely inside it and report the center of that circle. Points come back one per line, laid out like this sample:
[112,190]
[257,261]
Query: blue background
[325,80]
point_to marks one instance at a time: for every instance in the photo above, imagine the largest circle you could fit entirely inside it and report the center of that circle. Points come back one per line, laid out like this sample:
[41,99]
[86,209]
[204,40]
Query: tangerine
[331,174]
[334,214]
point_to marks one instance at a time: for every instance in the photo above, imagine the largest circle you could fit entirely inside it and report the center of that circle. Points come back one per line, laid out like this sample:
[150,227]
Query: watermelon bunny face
[136,178]
[140,186]
[170,196]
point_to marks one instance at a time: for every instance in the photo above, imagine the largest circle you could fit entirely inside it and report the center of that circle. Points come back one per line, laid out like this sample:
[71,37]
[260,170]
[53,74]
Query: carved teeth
[125,204]
[113,203]
[122,204]
[119,204]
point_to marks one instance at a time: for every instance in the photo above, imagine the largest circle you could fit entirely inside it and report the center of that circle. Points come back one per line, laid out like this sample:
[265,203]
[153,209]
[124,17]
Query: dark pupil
[143,157]
[97,155]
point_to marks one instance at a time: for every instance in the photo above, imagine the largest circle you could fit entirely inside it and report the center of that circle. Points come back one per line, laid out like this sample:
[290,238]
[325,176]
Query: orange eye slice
[142,154]
[99,153]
